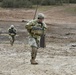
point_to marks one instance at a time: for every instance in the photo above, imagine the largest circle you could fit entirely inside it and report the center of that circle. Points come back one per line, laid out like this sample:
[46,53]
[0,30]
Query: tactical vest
[12,31]
[38,29]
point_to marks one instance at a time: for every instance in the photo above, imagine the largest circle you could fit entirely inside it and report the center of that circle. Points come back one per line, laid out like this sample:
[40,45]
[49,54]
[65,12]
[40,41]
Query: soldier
[35,28]
[12,33]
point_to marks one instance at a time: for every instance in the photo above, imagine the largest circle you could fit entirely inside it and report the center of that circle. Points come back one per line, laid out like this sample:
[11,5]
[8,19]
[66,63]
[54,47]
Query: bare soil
[59,56]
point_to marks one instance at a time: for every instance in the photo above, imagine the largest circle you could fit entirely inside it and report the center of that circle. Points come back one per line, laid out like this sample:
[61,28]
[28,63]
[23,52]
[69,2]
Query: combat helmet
[12,26]
[40,16]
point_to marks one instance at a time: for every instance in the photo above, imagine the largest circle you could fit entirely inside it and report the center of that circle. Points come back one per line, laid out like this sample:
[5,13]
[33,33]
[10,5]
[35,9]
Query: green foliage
[48,2]
[7,3]
[72,1]
[36,1]
[30,3]
[16,3]
[1,0]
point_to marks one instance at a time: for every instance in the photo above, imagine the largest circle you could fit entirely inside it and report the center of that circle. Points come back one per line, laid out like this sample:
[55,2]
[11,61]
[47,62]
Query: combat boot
[33,55]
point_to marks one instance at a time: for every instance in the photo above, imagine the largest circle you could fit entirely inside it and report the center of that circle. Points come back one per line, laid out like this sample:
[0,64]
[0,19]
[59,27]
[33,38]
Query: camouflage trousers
[34,42]
[12,39]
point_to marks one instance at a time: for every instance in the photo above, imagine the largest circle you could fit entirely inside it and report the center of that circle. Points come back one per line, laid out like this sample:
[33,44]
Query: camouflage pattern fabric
[12,33]
[34,39]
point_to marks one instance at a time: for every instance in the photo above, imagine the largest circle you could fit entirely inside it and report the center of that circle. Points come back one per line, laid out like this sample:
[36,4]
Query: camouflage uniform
[12,33]
[34,40]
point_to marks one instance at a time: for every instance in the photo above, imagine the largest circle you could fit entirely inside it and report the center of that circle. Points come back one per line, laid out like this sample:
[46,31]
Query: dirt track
[59,56]
[52,61]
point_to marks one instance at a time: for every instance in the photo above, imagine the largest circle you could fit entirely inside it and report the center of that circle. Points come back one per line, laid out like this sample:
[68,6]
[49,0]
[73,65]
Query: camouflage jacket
[12,31]
[32,23]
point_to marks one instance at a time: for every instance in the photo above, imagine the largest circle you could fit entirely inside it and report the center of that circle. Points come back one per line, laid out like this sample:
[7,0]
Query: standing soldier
[12,33]
[35,28]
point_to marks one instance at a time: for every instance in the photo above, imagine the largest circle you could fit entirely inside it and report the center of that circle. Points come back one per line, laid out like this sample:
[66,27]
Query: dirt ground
[59,56]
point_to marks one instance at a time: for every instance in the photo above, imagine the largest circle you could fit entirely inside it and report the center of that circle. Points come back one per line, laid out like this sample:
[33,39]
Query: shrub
[16,3]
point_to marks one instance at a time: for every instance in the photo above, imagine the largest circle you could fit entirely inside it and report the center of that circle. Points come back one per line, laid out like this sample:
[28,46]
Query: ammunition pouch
[37,31]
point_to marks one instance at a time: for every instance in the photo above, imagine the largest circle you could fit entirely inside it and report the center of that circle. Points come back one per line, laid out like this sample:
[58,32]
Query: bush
[48,2]
[29,3]
[72,1]
[52,2]
[1,0]
[16,3]
[7,3]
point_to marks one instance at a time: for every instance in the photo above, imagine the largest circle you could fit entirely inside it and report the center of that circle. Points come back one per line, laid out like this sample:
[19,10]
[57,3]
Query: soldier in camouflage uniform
[12,33]
[34,39]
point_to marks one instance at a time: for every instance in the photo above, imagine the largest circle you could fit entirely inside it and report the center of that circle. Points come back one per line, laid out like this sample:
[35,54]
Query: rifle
[42,40]
[35,11]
